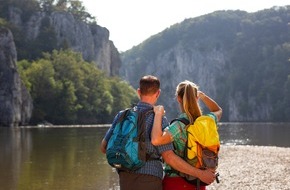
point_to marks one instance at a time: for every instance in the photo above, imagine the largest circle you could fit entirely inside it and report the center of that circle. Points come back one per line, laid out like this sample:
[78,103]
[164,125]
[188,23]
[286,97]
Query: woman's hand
[207,176]
[211,104]
[159,110]
[158,137]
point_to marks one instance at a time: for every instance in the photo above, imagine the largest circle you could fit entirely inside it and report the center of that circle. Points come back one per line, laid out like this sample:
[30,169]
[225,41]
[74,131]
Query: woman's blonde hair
[187,92]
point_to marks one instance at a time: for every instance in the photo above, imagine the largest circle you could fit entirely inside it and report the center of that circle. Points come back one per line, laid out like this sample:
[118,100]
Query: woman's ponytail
[188,92]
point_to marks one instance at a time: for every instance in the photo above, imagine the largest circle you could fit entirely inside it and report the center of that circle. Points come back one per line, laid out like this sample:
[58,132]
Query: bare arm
[159,137]
[179,164]
[103,146]
[211,104]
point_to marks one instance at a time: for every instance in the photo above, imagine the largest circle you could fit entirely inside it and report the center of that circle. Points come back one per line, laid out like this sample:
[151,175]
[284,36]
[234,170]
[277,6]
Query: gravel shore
[253,167]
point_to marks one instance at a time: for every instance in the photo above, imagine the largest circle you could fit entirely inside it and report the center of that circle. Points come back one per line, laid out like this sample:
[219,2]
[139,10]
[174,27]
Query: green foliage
[79,11]
[67,90]
[75,7]
[122,92]
[29,7]
[3,22]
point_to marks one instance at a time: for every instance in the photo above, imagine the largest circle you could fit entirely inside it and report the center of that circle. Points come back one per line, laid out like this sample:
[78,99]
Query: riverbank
[253,168]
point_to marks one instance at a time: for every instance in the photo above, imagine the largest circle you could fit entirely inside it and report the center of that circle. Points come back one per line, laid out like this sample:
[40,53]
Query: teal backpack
[126,149]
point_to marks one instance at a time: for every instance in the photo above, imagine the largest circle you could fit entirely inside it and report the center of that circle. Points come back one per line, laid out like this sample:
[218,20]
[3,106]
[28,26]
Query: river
[68,157]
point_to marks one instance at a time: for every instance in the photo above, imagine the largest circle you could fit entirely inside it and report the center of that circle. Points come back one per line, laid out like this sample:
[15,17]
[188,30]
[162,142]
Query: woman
[187,95]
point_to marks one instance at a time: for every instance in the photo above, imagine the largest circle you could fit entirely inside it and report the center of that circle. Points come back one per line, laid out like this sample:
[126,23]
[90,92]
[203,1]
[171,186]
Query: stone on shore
[253,167]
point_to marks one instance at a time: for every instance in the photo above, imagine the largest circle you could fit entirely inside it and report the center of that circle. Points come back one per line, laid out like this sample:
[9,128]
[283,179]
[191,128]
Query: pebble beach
[253,168]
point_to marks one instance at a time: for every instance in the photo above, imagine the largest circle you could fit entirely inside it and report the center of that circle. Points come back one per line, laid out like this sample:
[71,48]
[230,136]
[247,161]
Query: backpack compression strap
[183,120]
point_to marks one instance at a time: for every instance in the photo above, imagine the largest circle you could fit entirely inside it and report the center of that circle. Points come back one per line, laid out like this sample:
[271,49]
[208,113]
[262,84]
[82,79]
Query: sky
[130,22]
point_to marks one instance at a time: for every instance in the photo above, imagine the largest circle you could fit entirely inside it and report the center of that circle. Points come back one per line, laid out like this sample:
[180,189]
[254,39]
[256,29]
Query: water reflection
[69,158]
[58,158]
[15,146]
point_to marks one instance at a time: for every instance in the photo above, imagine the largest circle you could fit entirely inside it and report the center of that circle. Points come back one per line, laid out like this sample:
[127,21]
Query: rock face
[91,40]
[175,65]
[208,69]
[15,101]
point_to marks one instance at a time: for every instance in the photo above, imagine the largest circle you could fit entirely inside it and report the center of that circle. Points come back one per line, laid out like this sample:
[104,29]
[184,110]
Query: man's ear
[158,93]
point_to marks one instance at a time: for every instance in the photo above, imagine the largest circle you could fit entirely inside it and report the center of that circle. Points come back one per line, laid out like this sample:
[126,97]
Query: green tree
[67,90]
[43,88]
[79,12]
[124,95]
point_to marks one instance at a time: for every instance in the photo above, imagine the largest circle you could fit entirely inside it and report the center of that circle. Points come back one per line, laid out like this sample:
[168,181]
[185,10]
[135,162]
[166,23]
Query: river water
[68,158]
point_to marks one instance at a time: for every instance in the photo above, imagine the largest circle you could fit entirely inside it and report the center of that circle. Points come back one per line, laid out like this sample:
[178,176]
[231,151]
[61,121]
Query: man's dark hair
[149,85]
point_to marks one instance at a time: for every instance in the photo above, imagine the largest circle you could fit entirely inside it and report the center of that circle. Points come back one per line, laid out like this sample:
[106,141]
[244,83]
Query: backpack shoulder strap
[142,115]
[141,138]
[183,120]
[123,114]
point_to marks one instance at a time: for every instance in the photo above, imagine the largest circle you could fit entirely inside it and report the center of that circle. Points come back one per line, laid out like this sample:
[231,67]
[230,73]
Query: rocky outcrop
[90,39]
[15,101]
[208,69]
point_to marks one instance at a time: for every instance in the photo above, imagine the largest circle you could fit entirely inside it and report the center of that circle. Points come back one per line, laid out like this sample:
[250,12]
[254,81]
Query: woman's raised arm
[159,137]
[211,104]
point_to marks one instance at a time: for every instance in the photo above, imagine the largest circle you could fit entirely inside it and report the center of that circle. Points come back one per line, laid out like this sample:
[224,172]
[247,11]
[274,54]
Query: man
[149,177]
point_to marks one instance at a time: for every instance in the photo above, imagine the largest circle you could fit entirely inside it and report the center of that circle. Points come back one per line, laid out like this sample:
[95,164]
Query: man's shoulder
[143,105]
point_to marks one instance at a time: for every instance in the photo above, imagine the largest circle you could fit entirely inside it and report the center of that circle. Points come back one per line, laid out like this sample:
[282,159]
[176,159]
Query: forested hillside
[240,59]
[66,61]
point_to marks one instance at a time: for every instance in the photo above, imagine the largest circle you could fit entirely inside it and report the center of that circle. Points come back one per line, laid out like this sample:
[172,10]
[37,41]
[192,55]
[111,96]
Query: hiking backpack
[202,146]
[126,149]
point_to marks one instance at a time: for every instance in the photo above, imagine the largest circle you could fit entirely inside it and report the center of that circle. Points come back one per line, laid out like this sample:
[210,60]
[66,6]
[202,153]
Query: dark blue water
[69,158]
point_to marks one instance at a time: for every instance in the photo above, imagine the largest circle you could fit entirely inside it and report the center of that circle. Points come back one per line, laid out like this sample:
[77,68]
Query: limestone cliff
[210,70]
[15,101]
[178,64]
[90,39]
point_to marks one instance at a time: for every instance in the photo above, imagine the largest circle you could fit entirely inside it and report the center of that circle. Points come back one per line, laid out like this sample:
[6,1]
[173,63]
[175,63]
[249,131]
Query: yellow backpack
[202,145]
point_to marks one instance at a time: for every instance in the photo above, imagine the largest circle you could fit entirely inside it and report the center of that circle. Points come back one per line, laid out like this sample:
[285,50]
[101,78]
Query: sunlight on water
[236,142]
